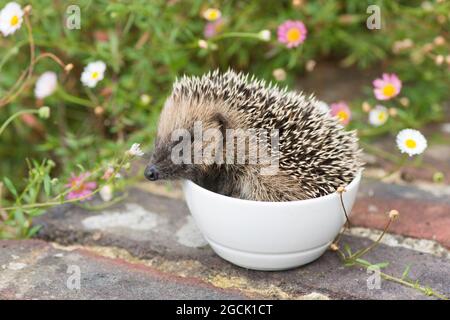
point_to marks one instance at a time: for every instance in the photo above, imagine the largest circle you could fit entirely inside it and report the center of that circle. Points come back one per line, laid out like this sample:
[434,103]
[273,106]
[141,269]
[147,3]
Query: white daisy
[11,18]
[411,141]
[212,14]
[45,85]
[93,73]
[378,115]
[136,150]
[264,35]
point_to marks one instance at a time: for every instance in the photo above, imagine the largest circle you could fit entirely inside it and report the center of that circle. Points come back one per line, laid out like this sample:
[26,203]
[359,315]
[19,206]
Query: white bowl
[268,235]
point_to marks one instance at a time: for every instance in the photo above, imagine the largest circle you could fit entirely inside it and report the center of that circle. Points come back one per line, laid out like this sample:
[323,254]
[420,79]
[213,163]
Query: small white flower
[212,14]
[106,192]
[11,18]
[93,73]
[264,35]
[136,150]
[378,115]
[45,85]
[411,141]
[323,107]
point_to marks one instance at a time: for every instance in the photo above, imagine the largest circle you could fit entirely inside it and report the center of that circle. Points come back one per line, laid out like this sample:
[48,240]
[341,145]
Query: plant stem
[106,204]
[25,76]
[15,115]
[405,283]
[53,203]
[70,98]
[236,35]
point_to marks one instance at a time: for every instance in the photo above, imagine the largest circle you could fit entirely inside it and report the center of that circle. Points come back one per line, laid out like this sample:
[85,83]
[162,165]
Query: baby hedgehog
[315,154]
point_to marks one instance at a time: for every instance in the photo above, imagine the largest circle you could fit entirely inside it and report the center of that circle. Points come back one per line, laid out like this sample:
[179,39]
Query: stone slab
[159,232]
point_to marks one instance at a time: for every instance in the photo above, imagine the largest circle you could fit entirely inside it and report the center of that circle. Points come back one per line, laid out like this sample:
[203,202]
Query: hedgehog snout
[151,172]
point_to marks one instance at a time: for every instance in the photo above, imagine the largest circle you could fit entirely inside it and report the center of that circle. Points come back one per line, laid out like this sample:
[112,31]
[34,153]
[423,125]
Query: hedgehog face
[188,142]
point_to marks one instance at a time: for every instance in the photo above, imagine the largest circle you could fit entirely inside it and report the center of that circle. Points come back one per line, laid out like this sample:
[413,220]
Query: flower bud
[44,112]
[264,35]
[68,67]
[393,214]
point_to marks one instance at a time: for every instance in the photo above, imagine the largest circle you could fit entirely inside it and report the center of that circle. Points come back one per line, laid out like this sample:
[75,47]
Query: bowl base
[267,261]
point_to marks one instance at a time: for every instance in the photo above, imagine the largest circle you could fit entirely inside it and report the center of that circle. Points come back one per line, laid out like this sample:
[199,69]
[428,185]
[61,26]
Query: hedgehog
[315,155]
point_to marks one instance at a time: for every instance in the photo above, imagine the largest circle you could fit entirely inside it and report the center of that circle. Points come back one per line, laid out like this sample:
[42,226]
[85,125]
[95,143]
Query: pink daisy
[387,87]
[341,111]
[292,33]
[80,187]
[213,28]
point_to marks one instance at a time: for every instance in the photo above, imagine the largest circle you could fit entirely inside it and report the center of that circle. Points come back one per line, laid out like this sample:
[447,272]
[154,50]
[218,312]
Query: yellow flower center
[410,143]
[77,185]
[212,14]
[342,115]
[389,90]
[94,75]
[293,35]
[382,116]
[14,21]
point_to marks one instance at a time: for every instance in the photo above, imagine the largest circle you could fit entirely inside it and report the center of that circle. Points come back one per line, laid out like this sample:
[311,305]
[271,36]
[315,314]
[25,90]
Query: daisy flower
[411,141]
[93,73]
[45,85]
[80,188]
[213,28]
[212,14]
[387,87]
[11,18]
[292,33]
[378,115]
[341,111]
[135,150]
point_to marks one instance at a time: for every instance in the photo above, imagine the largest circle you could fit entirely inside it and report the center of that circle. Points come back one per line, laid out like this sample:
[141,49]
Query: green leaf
[10,186]
[348,249]
[19,217]
[47,185]
[406,272]
[381,265]
[32,231]
[35,212]
[365,262]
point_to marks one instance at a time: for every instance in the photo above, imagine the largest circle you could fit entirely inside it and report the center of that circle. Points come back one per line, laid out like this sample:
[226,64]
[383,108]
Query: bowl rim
[349,186]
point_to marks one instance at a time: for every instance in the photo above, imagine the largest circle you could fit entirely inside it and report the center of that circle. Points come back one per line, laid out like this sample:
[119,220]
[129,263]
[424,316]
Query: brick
[422,214]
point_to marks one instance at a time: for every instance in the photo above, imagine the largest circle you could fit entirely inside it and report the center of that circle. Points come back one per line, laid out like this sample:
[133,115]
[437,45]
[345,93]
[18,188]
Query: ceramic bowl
[268,235]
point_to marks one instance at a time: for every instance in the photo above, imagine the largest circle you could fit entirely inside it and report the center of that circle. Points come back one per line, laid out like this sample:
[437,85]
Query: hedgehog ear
[222,122]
